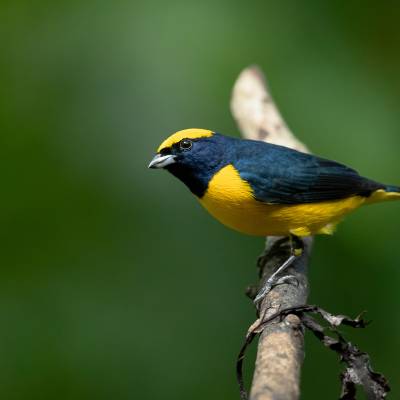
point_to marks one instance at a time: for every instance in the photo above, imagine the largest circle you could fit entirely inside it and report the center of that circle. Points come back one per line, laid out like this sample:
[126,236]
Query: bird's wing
[279,175]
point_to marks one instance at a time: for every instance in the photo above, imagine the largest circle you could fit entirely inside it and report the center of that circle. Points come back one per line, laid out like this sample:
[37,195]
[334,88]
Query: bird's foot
[272,282]
[296,251]
[263,292]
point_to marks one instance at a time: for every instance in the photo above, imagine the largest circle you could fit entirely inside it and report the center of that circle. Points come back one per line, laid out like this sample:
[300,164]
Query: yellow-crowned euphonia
[263,189]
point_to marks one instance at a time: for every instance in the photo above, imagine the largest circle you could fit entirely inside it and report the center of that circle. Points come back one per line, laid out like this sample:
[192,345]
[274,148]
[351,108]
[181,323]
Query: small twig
[358,367]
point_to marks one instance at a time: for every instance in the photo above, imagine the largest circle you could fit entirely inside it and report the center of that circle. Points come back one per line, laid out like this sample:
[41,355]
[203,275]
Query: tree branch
[283,314]
[281,346]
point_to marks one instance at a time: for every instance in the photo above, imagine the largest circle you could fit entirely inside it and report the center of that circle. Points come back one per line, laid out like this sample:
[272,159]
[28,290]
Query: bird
[263,189]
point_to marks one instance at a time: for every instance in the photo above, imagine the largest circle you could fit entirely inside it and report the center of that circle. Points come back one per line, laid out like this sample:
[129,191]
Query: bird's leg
[296,250]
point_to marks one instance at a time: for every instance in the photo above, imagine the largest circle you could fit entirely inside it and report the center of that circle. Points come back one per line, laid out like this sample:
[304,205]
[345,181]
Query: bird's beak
[160,161]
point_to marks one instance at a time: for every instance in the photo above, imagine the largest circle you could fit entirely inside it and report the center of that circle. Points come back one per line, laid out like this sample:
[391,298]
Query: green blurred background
[114,283]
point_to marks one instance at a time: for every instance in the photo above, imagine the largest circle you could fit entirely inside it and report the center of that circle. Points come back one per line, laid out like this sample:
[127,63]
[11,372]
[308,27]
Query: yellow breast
[231,200]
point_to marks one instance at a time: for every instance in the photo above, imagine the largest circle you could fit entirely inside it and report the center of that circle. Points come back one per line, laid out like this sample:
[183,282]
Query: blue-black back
[277,174]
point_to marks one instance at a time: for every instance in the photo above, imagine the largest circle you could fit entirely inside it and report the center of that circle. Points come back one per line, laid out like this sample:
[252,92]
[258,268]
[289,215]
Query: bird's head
[193,156]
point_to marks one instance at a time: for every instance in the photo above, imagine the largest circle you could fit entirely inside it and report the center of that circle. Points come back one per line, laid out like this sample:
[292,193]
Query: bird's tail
[392,189]
[387,193]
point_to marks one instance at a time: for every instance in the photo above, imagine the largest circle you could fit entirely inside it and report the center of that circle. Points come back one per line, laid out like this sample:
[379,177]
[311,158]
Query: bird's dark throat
[195,181]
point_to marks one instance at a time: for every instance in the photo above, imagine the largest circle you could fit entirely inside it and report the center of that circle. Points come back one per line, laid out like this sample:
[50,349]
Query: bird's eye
[185,144]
